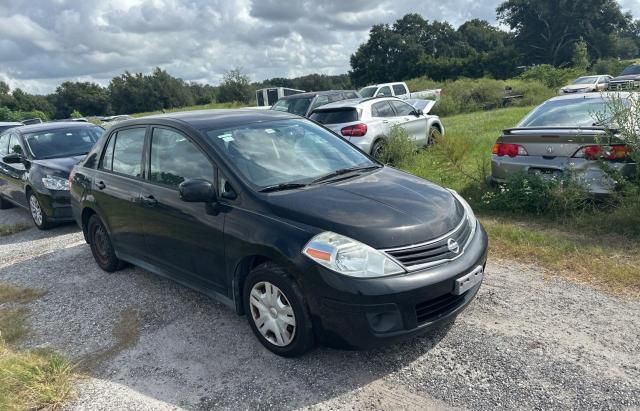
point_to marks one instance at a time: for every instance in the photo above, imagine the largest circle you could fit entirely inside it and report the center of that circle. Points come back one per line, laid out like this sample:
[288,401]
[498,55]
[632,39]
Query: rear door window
[336,116]
[123,154]
[401,108]
[175,159]
[382,109]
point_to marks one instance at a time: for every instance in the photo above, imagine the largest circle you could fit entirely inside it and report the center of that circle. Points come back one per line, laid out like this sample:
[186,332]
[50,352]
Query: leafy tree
[89,98]
[580,57]
[235,86]
[546,30]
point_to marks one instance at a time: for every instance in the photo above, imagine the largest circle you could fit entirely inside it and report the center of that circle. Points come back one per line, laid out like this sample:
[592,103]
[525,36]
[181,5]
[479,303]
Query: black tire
[38,215]
[377,148]
[303,338]
[4,204]
[434,135]
[101,246]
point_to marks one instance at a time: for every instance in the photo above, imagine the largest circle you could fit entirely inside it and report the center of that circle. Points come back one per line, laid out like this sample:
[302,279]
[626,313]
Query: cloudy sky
[44,42]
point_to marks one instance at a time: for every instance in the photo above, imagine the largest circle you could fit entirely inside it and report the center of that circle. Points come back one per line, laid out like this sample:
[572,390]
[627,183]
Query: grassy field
[33,379]
[599,247]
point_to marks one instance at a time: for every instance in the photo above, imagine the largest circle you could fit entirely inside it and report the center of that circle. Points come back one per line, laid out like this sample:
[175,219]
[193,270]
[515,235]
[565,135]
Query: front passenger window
[175,159]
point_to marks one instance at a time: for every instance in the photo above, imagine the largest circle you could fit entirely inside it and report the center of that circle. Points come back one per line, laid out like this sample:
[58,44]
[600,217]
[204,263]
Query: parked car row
[628,80]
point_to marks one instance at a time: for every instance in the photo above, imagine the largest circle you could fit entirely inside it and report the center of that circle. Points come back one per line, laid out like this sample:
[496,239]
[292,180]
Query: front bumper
[56,204]
[585,172]
[362,313]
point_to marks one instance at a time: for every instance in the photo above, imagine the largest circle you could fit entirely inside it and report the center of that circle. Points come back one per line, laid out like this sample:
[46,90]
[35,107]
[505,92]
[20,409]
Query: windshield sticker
[268,130]
[227,137]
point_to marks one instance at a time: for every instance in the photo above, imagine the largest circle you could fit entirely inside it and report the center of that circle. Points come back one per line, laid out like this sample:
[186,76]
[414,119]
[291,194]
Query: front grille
[431,310]
[433,252]
[622,85]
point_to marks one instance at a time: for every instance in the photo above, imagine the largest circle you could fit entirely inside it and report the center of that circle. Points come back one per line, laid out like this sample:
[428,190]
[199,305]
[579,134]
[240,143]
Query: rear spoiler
[587,129]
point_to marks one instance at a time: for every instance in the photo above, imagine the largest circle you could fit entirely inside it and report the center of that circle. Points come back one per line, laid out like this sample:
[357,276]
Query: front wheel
[276,312]
[39,216]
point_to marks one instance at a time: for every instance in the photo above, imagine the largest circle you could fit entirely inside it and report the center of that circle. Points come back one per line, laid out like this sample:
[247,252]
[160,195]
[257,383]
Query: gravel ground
[147,343]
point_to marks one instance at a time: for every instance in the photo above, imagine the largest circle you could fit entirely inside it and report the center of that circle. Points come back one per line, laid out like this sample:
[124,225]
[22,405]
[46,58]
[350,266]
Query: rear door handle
[101,185]
[149,200]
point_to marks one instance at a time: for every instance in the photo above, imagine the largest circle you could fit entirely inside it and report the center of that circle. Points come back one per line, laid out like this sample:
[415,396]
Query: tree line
[541,32]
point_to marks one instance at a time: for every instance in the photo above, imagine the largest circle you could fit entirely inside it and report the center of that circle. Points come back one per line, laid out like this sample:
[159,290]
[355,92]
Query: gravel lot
[147,343]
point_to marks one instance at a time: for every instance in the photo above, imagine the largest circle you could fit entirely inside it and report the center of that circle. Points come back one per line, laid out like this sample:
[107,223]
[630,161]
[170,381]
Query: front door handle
[101,185]
[149,200]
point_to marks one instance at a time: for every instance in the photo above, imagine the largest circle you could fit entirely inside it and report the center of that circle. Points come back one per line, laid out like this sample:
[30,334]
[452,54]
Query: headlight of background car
[55,183]
[349,257]
[467,208]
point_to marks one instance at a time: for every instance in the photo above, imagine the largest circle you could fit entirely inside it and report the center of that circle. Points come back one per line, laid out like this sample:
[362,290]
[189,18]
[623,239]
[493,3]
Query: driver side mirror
[197,191]
[13,158]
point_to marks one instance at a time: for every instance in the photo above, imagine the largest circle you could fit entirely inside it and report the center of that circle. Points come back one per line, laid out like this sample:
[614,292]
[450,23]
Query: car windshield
[631,70]
[285,152]
[585,80]
[297,106]
[582,112]
[62,142]
[368,91]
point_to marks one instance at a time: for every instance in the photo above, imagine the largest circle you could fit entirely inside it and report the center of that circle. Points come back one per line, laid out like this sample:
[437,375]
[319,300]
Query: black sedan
[35,162]
[283,221]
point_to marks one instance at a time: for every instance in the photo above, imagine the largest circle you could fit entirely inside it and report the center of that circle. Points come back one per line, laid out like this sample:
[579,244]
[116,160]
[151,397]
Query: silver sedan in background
[563,136]
[367,122]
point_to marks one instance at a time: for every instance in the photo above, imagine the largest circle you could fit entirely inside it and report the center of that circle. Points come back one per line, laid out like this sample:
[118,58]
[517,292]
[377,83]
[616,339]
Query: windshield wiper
[282,187]
[342,171]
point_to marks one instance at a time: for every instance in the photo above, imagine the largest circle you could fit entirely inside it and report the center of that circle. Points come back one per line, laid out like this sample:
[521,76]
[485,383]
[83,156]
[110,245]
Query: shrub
[534,92]
[530,193]
[398,149]
[551,76]
[422,83]
[610,66]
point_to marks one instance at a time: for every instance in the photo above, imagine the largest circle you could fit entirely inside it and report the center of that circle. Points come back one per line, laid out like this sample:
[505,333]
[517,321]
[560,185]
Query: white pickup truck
[399,90]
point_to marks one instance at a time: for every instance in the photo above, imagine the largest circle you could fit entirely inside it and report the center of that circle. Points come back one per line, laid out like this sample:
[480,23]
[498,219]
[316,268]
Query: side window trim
[147,157]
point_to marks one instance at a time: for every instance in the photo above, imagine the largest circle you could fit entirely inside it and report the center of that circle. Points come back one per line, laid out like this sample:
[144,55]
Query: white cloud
[44,42]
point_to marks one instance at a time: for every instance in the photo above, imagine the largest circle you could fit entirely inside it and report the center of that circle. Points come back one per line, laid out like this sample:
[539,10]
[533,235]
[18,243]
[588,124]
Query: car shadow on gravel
[32,233]
[160,340]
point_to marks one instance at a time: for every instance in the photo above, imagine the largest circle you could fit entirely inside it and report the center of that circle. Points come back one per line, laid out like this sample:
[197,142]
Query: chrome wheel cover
[272,314]
[36,211]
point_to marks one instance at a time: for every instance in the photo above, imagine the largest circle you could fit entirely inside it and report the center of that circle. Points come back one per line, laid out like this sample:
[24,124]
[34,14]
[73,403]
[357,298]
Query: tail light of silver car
[356,130]
[507,149]
[597,152]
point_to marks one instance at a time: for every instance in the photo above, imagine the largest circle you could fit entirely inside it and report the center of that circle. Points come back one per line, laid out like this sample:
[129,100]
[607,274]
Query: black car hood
[62,165]
[384,209]
[626,78]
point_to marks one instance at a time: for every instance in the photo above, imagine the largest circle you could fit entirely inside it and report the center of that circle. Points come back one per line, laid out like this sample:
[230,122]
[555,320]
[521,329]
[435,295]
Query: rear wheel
[376,150]
[39,216]
[434,135]
[276,311]
[101,246]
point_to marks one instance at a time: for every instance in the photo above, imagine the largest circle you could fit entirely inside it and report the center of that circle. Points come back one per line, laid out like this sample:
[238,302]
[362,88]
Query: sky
[46,42]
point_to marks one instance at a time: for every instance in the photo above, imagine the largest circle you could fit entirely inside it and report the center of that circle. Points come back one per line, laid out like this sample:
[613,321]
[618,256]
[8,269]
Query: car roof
[384,84]
[316,93]
[621,94]
[216,118]
[34,128]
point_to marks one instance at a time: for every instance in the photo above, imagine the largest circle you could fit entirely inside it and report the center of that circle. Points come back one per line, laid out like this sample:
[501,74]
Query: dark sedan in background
[35,161]
[303,104]
[282,220]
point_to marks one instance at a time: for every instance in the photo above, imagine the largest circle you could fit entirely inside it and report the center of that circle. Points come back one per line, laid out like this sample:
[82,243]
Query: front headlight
[467,208]
[55,183]
[349,257]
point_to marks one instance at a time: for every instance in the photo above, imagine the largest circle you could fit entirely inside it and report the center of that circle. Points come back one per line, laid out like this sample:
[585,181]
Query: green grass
[32,379]
[12,229]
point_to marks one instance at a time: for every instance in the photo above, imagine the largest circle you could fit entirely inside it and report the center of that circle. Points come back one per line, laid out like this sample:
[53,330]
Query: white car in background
[587,84]
[398,89]
[367,122]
